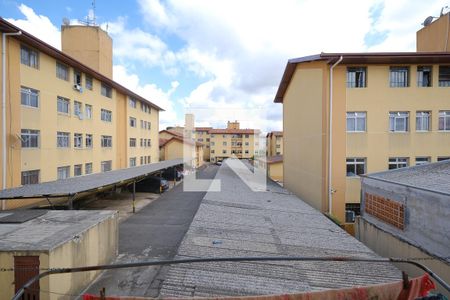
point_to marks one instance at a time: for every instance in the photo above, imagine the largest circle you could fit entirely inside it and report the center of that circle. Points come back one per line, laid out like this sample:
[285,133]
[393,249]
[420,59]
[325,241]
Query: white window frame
[63,105]
[422,160]
[88,111]
[355,162]
[132,162]
[354,81]
[421,70]
[29,97]
[77,108]
[106,141]
[106,115]
[106,166]
[29,57]
[88,168]
[88,82]
[89,140]
[78,140]
[132,142]
[63,172]
[30,138]
[444,120]
[399,77]
[398,162]
[423,121]
[395,116]
[133,122]
[62,71]
[62,139]
[30,177]
[77,167]
[132,102]
[106,90]
[354,117]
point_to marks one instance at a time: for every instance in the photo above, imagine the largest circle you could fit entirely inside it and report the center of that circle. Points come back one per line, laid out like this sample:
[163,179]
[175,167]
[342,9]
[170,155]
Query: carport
[74,187]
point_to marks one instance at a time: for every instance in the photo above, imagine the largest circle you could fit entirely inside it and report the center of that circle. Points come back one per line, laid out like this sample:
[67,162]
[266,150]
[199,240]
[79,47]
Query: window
[132,102]
[356,166]
[78,140]
[77,170]
[207,139]
[213,151]
[246,151]
[224,136]
[132,122]
[132,142]
[63,105]
[89,140]
[77,108]
[142,124]
[424,74]
[62,71]
[224,151]
[149,143]
[442,158]
[106,165]
[444,120]
[398,121]
[444,75]
[29,57]
[132,161]
[106,90]
[213,143]
[356,121]
[423,120]
[224,143]
[30,138]
[29,97]
[247,136]
[63,172]
[149,158]
[142,160]
[398,162]
[142,142]
[88,82]
[77,78]
[62,139]
[88,111]
[149,125]
[356,77]
[30,177]
[106,115]
[399,76]
[106,141]
[88,168]
[145,108]
[422,160]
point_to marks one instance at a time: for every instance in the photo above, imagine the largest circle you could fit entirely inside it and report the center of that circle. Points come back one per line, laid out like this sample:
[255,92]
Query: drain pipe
[330,139]
[4,34]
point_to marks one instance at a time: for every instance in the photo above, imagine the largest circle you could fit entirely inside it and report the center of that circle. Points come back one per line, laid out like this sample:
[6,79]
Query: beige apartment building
[274,143]
[172,145]
[64,114]
[346,114]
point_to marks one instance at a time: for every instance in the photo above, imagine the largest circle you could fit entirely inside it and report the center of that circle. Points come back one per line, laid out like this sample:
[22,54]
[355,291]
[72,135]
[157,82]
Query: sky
[223,59]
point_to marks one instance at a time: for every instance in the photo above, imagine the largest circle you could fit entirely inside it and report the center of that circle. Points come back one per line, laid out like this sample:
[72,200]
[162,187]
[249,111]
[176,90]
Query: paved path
[155,231]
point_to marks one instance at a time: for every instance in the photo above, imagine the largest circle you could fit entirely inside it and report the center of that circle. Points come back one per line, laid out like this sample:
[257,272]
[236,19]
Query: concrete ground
[154,232]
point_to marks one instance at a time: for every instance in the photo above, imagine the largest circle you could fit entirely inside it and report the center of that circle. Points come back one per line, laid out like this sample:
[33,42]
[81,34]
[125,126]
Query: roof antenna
[91,15]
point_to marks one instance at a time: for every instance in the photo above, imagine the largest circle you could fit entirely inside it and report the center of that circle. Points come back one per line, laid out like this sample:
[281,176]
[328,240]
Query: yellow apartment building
[64,115]
[202,135]
[388,110]
[172,145]
[274,143]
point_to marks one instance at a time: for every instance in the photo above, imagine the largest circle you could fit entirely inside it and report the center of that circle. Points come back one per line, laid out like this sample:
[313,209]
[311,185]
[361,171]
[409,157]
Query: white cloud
[38,25]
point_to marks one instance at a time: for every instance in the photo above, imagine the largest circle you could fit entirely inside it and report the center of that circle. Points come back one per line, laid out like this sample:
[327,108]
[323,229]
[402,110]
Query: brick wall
[387,210]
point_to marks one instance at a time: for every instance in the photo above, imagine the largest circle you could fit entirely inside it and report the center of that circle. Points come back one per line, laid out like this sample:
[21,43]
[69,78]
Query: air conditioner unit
[77,87]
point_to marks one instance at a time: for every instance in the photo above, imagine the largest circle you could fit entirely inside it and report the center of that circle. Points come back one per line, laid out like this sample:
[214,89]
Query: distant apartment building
[274,143]
[65,116]
[346,114]
[172,145]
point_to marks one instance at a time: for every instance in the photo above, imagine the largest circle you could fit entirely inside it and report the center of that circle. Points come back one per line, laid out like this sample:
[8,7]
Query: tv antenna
[91,15]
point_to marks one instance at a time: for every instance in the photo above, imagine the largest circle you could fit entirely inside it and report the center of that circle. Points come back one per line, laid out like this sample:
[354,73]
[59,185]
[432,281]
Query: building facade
[172,145]
[274,143]
[346,114]
[64,118]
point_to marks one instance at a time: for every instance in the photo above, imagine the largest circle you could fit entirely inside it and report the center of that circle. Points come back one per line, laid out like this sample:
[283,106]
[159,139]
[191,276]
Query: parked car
[151,184]
[171,173]
[219,163]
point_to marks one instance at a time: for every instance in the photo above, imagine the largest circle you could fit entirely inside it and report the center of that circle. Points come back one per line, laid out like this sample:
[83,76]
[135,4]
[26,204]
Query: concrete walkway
[153,232]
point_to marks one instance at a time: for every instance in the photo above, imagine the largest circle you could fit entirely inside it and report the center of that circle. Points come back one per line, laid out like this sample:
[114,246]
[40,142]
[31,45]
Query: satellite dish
[66,21]
[428,21]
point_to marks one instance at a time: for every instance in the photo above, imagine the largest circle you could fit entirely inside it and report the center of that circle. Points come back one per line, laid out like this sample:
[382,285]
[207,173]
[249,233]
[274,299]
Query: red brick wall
[386,210]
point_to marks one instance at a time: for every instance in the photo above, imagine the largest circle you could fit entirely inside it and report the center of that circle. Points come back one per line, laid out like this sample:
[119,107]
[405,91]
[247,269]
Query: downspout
[330,139]
[4,34]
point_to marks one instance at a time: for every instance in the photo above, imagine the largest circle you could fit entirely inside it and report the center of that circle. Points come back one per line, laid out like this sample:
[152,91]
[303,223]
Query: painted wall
[97,245]
[217,145]
[90,45]
[276,171]
[304,130]
[433,37]
[387,244]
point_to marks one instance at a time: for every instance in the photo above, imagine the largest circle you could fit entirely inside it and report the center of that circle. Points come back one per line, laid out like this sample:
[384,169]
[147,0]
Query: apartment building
[64,114]
[172,145]
[202,135]
[346,114]
[274,143]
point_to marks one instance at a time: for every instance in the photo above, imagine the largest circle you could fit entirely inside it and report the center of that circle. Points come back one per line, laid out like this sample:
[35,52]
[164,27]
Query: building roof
[433,177]
[274,159]
[172,132]
[234,131]
[36,43]
[163,142]
[203,128]
[86,183]
[237,222]
[275,133]
[49,229]
[362,59]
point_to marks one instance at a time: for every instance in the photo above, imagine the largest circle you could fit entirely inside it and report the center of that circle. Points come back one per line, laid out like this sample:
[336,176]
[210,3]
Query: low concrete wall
[388,245]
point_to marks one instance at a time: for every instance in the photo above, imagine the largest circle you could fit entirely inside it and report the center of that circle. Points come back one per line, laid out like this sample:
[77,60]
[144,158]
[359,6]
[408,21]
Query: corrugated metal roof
[79,184]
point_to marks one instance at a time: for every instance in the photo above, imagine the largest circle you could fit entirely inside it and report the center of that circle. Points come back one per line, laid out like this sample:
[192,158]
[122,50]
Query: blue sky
[224,59]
